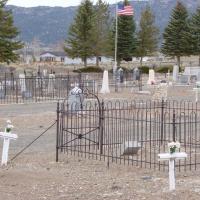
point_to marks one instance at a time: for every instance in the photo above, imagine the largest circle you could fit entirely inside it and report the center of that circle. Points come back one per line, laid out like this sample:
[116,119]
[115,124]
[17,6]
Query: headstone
[51,83]
[22,82]
[44,72]
[184,79]
[105,83]
[6,143]
[130,148]
[151,80]
[75,99]
[120,75]
[2,93]
[175,73]
[136,74]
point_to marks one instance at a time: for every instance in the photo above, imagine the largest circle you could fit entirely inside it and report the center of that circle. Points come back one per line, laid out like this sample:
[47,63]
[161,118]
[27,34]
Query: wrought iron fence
[38,89]
[131,133]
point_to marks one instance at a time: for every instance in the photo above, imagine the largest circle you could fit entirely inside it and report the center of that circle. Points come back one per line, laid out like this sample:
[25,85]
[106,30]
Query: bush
[89,69]
[144,69]
[164,69]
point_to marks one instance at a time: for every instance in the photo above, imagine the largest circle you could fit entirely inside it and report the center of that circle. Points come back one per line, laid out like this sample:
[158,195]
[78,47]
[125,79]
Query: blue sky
[63,3]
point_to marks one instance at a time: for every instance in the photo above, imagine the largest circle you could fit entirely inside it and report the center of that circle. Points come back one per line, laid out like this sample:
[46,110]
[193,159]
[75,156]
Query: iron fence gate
[130,132]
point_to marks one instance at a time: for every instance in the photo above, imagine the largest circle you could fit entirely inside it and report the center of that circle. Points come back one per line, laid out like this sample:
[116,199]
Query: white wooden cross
[171,157]
[6,142]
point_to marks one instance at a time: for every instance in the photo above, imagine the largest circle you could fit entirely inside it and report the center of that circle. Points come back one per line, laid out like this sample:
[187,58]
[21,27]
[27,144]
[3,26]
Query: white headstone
[44,72]
[175,72]
[75,99]
[105,83]
[22,82]
[151,80]
[51,83]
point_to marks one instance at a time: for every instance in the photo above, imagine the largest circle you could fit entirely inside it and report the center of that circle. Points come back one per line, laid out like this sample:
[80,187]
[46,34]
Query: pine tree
[100,29]
[126,41]
[195,34]
[8,34]
[176,36]
[80,40]
[147,37]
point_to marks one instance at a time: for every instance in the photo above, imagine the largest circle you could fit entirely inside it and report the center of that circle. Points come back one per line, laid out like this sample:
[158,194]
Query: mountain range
[50,24]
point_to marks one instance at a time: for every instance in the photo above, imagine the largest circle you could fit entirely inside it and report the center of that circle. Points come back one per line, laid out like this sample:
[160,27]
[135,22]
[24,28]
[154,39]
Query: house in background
[50,56]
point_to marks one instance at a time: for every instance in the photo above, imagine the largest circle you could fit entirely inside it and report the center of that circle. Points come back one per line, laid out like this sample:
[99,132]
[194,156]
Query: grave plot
[131,133]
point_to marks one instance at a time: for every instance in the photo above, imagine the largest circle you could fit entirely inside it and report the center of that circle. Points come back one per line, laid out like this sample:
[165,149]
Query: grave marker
[51,83]
[105,83]
[151,80]
[171,157]
[75,99]
[6,143]
[175,73]
[22,82]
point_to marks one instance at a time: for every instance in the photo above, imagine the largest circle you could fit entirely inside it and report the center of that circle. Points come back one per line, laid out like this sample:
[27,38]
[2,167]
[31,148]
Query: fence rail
[130,132]
[39,89]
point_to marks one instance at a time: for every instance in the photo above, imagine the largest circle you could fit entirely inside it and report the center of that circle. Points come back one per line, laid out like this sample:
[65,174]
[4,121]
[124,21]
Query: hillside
[50,24]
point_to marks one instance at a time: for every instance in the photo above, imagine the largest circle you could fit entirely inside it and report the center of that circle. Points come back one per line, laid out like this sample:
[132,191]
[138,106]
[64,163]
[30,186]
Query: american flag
[125,10]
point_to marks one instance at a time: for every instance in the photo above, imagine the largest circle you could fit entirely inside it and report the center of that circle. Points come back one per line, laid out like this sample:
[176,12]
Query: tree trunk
[179,62]
[97,61]
[141,59]
[85,62]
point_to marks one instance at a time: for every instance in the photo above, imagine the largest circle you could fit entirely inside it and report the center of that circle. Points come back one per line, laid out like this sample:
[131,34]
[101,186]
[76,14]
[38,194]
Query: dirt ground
[35,175]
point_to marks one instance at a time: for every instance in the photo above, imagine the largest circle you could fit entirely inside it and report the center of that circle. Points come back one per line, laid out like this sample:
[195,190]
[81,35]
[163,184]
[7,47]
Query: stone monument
[151,80]
[75,99]
[175,73]
[51,83]
[105,83]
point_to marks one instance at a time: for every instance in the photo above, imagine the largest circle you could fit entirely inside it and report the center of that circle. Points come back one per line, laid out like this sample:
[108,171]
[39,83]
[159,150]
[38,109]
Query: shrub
[144,69]
[89,69]
[124,69]
[164,69]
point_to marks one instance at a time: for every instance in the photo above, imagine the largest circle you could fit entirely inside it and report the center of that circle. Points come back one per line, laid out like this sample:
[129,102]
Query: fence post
[5,84]
[17,81]
[174,125]
[101,126]
[162,118]
[57,131]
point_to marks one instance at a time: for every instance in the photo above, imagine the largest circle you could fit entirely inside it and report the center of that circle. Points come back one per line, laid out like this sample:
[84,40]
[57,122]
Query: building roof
[54,53]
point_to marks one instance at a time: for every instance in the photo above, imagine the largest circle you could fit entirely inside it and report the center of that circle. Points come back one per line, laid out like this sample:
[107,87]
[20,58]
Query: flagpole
[116,37]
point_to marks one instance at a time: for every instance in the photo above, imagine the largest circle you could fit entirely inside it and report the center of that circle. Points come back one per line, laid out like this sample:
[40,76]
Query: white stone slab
[105,83]
[175,73]
[151,79]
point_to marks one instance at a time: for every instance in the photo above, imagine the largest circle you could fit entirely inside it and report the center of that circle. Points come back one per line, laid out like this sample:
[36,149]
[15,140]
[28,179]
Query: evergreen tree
[195,33]
[176,36]
[8,34]
[147,37]
[126,41]
[80,40]
[100,29]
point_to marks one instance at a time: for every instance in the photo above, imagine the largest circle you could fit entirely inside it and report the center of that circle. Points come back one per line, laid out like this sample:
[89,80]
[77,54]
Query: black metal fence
[132,133]
[38,89]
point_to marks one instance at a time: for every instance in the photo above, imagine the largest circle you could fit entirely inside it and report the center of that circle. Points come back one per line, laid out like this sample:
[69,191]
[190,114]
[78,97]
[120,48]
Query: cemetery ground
[35,175]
